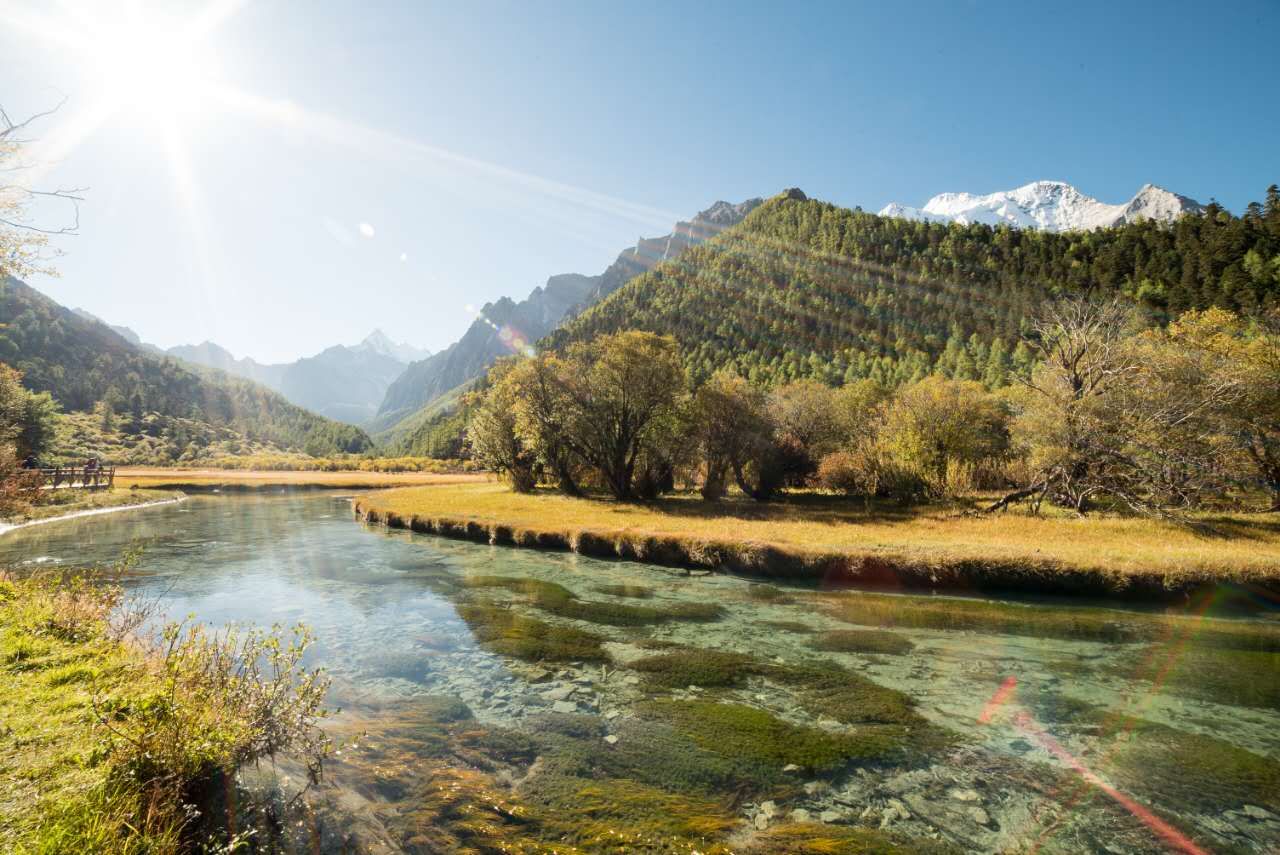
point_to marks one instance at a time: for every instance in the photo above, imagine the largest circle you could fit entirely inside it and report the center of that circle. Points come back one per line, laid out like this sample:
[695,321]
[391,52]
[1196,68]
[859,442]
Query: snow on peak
[1054,206]
[379,342]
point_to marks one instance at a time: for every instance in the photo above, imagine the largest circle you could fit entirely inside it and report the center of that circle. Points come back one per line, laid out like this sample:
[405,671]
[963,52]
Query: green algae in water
[808,838]
[1042,621]
[690,667]
[560,601]
[621,815]
[755,735]
[769,594]
[792,626]
[635,592]
[1245,678]
[1186,772]
[862,641]
[511,634]
[652,752]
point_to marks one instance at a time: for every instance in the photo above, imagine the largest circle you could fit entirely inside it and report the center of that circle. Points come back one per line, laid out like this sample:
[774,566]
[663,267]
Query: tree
[39,424]
[1080,356]
[807,424]
[24,243]
[539,386]
[27,419]
[621,391]
[1229,352]
[945,431]
[493,436]
[1108,413]
[734,430]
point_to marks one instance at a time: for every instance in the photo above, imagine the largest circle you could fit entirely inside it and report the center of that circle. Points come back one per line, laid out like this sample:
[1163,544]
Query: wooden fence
[81,477]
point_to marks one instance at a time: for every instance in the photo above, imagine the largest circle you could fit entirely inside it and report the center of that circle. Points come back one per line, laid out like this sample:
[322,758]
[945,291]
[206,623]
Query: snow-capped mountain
[379,342]
[1051,205]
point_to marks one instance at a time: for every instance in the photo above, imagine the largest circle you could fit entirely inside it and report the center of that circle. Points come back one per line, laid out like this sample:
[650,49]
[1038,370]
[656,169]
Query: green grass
[104,744]
[56,792]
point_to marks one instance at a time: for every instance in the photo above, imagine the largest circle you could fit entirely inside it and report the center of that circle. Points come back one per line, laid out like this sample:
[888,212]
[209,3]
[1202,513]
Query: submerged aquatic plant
[635,592]
[692,667]
[504,631]
[752,734]
[560,601]
[862,641]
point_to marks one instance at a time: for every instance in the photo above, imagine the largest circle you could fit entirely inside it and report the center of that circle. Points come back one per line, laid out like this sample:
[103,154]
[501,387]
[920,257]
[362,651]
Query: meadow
[825,537]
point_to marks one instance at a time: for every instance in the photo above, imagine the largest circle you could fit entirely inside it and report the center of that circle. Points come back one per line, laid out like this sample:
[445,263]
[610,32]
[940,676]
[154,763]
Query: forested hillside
[83,364]
[507,327]
[803,288]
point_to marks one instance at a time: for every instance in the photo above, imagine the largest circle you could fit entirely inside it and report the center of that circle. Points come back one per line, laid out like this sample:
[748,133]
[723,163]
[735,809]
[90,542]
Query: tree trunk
[713,485]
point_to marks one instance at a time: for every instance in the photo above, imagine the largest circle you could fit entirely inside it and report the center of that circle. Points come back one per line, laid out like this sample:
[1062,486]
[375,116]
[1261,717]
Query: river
[512,700]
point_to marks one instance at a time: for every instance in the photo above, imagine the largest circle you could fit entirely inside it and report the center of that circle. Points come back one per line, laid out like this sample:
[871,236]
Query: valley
[402,454]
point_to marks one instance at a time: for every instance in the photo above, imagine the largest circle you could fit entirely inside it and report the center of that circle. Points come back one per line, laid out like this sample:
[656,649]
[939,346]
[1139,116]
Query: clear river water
[504,700]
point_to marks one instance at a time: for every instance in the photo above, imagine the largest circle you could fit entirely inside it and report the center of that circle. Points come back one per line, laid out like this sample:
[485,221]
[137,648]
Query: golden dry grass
[1239,547]
[157,477]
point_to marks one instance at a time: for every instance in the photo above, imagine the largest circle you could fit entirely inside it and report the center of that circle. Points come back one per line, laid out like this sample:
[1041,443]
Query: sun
[155,68]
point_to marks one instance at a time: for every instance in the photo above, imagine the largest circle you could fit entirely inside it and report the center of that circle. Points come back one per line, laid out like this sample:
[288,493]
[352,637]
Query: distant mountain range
[345,383]
[807,289]
[1053,206]
[506,326]
[83,362]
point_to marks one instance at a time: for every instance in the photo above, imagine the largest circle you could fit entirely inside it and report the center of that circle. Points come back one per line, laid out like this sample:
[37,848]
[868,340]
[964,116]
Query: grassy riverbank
[250,479]
[828,538]
[65,502]
[103,743]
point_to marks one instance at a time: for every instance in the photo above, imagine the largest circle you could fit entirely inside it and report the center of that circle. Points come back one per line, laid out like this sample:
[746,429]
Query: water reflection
[520,701]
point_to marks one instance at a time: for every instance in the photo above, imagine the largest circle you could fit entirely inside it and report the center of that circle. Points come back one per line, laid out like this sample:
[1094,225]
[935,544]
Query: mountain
[341,382]
[82,362]
[505,327]
[802,288]
[380,343]
[211,355]
[1050,205]
[124,332]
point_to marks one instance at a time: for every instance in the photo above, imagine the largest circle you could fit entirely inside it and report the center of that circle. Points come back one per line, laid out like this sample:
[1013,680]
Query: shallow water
[1120,732]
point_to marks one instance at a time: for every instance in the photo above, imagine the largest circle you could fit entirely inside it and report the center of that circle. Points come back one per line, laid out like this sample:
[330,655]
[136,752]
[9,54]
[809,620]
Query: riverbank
[209,480]
[840,542]
[77,503]
[107,742]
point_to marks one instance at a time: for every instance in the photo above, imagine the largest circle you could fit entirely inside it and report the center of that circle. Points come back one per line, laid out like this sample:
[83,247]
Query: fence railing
[82,477]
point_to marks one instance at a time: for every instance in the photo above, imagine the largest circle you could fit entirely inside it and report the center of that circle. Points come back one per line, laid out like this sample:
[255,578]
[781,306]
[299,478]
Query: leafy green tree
[946,431]
[735,433]
[621,395]
[492,434]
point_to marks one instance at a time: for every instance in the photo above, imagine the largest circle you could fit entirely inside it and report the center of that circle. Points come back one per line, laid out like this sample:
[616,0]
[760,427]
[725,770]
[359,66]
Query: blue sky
[491,145]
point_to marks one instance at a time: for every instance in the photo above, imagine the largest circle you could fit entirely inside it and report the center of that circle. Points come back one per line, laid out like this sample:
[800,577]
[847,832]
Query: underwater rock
[564,707]
[798,815]
[560,693]
[963,794]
